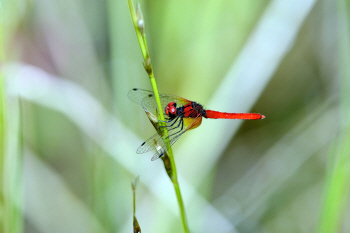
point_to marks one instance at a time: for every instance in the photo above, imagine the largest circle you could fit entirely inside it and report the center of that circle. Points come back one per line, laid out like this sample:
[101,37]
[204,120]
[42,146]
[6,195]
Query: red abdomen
[225,115]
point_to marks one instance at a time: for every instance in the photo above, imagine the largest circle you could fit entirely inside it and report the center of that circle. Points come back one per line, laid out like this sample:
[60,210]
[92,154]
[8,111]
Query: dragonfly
[180,116]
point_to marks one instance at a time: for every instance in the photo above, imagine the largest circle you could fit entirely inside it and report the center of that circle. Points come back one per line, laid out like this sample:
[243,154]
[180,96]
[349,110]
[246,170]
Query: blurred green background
[69,133]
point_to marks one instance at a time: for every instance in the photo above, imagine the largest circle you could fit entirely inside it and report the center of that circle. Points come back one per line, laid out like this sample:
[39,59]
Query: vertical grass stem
[139,26]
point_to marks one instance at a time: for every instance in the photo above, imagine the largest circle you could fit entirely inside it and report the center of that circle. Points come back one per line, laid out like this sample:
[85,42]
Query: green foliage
[336,190]
[72,63]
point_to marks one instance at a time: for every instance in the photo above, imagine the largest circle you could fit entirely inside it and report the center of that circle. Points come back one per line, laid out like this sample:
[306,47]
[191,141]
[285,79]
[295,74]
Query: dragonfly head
[171,110]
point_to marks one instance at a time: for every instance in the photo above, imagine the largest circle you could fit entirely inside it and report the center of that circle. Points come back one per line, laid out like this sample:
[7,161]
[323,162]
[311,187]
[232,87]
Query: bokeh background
[70,134]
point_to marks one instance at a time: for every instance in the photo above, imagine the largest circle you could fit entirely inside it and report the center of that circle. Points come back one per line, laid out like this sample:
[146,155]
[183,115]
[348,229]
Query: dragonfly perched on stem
[180,116]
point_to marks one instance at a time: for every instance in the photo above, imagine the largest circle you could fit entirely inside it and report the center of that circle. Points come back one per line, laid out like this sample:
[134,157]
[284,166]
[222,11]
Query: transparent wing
[147,100]
[176,128]
[137,95]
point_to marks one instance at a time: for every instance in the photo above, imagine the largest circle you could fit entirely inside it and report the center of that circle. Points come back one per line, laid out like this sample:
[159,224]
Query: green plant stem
[141,36]
[136,226]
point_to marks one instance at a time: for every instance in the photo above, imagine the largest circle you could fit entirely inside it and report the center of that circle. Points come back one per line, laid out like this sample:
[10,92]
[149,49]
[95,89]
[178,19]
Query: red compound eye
[170,109]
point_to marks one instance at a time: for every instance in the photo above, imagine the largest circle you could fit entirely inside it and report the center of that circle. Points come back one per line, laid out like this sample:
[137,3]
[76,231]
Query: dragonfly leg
[182,126]
[175,119]
[176,127]
[165,121]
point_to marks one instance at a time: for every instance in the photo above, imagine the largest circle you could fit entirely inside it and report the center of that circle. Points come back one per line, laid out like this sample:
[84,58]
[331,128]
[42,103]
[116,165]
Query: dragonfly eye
[170,109]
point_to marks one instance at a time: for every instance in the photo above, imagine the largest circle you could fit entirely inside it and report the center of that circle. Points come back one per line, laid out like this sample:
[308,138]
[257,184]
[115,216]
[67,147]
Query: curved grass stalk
[138,22]
[337,183]
[137,228]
